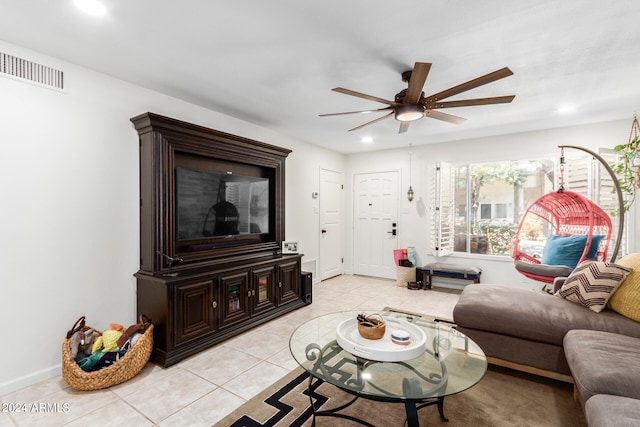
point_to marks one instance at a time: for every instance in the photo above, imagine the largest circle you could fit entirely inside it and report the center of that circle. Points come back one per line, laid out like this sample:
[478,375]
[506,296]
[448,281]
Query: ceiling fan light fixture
[410,104]
[409,112]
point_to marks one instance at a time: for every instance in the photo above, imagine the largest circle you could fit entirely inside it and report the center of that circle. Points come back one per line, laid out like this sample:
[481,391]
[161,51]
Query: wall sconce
[410,192]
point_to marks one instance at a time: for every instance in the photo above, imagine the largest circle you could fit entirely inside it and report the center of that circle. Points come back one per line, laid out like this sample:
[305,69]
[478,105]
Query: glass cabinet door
[263,290]
[236,293]
[264,286]
[234,299]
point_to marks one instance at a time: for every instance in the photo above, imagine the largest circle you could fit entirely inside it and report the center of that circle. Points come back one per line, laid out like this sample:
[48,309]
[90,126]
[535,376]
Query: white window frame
[583,174]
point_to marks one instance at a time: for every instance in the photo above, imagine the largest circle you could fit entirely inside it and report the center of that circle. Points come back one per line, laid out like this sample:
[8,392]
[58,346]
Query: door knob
[324,231]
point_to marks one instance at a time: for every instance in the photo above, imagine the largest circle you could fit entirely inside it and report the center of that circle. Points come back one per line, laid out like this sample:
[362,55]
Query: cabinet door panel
[235,290]
[195,311]
[288,282]
[263,295]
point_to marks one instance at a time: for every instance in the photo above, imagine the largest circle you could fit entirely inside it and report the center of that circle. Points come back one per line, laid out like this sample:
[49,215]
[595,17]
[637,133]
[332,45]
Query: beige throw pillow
[626,300]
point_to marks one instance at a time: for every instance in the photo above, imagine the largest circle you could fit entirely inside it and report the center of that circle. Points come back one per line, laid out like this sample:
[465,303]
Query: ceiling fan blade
[356,112]
[471,84]
[416,82]
[472,102]
[372,122]
[404,126]
[364,96]
[444,116]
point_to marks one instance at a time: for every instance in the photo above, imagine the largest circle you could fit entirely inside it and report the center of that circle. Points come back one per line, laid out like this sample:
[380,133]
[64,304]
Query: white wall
[69,222]
[69,226]
[414,223]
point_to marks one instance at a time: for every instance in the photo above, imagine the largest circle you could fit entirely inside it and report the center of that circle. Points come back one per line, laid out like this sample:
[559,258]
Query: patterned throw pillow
[592,283]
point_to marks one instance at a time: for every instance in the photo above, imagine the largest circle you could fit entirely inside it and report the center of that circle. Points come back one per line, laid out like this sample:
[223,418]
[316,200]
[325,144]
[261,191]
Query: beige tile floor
[201,390]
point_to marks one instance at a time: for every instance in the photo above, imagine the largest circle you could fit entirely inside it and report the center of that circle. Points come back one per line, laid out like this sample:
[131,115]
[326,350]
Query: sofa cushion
[603,410]
[592,283]
[543,270]
[532,315]
[626,300]
[603,363]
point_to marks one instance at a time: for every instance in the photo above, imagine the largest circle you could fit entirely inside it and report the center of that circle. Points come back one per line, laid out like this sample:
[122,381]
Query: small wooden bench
[450,271]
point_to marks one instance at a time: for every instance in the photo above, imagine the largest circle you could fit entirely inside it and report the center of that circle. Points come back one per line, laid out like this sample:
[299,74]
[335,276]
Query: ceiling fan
[410,104]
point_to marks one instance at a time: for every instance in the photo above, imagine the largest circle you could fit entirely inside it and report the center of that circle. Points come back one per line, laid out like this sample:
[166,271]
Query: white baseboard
[30,379]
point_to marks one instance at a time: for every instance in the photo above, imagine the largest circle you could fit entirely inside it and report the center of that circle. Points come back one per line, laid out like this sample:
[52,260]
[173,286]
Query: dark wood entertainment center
[201,287]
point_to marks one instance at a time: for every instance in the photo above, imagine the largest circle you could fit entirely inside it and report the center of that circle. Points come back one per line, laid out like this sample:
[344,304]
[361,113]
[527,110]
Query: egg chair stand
[567,213]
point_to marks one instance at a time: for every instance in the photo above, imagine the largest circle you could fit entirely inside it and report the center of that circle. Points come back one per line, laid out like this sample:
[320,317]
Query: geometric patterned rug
[502,398]
[281,408]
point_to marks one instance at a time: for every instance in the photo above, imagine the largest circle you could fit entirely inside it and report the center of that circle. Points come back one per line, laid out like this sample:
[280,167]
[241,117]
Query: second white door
[375,223]
[331,233]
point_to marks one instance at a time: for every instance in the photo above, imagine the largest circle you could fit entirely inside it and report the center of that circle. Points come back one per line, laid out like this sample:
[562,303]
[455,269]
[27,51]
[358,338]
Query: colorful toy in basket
[104,349]
[82,342]
[130,359]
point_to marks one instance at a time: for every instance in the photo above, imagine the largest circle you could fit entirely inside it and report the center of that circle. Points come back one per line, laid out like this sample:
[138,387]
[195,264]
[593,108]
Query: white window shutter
[442,206]
[587,176]
[578,174]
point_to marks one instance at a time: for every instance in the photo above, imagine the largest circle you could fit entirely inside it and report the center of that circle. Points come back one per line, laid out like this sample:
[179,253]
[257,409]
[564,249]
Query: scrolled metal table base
[411,386]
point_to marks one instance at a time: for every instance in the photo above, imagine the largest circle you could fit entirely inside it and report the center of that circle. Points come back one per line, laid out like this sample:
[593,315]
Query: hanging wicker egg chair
[579,230]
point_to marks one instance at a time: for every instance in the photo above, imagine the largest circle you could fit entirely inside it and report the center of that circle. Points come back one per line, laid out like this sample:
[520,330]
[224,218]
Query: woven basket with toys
[93,360]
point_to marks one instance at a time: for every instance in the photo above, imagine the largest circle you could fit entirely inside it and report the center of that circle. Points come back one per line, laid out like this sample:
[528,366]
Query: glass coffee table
[450,364]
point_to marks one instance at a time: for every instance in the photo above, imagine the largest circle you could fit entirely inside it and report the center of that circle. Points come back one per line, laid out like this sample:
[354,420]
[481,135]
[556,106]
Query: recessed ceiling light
[366,140]
[566,109]
[92,7]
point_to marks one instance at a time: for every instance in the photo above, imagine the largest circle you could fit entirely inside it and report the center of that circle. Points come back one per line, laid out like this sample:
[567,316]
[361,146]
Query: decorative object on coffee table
[371,327]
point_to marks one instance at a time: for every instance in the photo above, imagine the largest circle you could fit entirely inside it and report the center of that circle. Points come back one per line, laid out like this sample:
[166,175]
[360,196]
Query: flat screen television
[221,204]
[207,198]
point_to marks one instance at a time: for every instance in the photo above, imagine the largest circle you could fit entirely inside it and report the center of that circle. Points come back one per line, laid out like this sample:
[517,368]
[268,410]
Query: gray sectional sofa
[546,335]
[606,373]
[524,329]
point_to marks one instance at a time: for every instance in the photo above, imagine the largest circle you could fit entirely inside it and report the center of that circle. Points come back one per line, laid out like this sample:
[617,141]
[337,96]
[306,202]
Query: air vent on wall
[22,69]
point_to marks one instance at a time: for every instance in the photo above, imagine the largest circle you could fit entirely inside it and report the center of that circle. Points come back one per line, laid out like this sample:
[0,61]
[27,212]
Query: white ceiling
[274,62]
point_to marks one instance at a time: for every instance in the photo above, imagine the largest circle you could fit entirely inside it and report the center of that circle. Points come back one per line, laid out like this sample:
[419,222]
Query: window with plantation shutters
[476,207]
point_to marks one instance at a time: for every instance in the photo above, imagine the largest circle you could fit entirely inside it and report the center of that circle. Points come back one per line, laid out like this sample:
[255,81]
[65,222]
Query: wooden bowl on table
[371,327]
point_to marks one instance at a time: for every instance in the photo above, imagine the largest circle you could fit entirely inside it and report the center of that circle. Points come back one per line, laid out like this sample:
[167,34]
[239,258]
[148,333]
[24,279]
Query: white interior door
[375,223]
[331,256]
